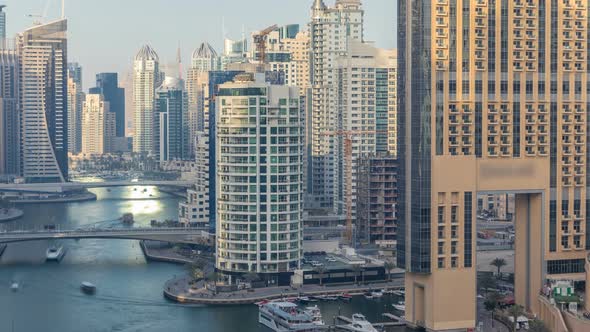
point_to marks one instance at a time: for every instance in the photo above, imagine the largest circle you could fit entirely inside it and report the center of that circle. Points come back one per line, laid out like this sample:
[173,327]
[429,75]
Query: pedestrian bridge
[71,186]
[174,235]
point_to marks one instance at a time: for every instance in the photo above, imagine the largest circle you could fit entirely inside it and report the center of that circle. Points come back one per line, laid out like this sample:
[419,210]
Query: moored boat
[285,316]
[315,314]
[88,288]
[55,253]
[359,324]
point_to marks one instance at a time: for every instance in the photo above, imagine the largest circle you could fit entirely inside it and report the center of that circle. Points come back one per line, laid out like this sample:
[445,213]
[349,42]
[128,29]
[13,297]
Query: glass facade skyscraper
[107,84]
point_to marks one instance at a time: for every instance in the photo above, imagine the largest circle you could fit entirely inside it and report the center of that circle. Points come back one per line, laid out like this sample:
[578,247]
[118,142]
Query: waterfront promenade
[178,289]
[10,214]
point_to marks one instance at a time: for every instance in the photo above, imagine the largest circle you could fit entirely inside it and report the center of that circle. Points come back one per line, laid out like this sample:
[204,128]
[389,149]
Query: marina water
[129,289]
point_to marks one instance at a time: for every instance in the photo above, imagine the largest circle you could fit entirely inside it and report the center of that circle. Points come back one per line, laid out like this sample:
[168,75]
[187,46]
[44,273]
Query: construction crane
[348,136]
[260,41]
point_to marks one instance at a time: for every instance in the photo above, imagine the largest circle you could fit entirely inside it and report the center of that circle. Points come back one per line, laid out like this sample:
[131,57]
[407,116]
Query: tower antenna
[63,9]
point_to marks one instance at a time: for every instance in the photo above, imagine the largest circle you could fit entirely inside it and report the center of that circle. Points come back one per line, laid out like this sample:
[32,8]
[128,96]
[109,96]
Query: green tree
[538,326]
[320,270]
[195,271]
[491,303]
[389,265]
[487,281]
[251,277]
[499,263]
[515,311]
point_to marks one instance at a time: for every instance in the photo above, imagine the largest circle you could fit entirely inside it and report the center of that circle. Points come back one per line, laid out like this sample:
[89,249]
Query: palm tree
[194,271]
[389,265]
[487,281]
[320,270]
[515,311]
[491,304]
[498,263]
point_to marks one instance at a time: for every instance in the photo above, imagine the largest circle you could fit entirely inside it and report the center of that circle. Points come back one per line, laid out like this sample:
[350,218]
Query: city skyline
[84,17]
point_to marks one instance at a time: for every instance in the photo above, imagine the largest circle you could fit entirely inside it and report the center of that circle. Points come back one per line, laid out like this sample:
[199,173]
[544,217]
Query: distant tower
[9,112]
[171,136]
[75,102]
[107,84]
[2,23]
[43,52]
[146,77]
[98,125]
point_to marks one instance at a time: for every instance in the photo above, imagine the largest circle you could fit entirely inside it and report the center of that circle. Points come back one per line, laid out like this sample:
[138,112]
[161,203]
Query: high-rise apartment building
[146,78]
[214,81]
[98,125]
[332,29]
[363,108]
[9,112]
[76,99]
[492,98]
[259,167]
[195,210]
[43,53]
[107,84]
[376,198]
[171,127]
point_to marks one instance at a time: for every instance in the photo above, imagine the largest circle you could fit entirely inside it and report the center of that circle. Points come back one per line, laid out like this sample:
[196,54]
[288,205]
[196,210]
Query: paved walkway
[179,289]
[10,214]
[484,318]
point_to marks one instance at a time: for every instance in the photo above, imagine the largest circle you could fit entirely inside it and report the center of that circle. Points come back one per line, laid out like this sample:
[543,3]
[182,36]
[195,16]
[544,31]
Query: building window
[441,214]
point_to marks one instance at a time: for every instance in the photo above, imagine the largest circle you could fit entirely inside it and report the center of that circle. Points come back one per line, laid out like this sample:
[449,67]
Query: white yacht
[359,324]
[55,253]
[377,293]
[315,314]
[285,316]
[14,286]
[400,306]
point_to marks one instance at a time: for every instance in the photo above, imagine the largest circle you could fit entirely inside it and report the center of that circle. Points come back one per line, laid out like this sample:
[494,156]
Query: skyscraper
[75,102]
[214,81]
[260,170]
[171,127]
[340,25]
[492,99]
[2,23]
[9,112]
[203,60]
[195,210]
[98,125]
[43,53]
[107,84]
[146,77]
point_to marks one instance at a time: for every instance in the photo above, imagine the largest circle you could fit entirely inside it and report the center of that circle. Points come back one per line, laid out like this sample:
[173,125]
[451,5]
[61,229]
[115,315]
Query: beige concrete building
[493,99]
[98,126]
[146,78]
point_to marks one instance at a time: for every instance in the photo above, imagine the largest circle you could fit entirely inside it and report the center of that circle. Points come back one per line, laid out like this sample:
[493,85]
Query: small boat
[345,297]
[303,299]
[88,288]
[14,286]
[328,298]
[399,292]
[368,295]
[359,324]
[377,293]
[285,316]
[315,314]
[54,253]
[400,306]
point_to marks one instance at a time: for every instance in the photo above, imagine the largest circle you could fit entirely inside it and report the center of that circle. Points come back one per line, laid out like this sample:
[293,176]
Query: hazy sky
[104,35]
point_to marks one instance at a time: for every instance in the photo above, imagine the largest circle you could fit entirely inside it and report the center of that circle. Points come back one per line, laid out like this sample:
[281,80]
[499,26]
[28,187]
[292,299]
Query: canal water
[129,294]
